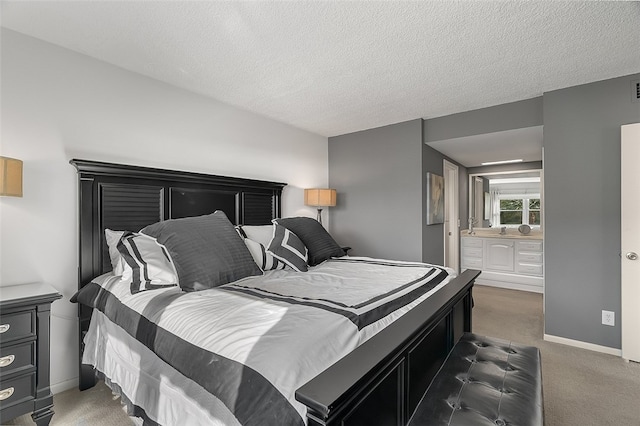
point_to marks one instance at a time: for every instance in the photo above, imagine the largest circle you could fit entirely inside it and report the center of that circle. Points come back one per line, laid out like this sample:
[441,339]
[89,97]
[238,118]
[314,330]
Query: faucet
[472,221]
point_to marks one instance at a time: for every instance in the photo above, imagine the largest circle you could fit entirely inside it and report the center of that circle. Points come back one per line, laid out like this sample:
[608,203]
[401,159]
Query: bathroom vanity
[509,260]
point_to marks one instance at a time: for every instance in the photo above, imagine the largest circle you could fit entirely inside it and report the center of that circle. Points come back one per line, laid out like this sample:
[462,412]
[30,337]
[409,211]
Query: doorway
[500,202]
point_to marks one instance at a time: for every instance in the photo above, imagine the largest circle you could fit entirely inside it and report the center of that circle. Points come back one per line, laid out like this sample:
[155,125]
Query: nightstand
[24,351]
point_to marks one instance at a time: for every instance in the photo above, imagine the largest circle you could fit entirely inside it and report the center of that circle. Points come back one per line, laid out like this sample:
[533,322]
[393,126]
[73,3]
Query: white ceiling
[334,67]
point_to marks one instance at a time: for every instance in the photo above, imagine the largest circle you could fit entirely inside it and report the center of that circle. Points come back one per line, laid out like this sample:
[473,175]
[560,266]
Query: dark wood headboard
[123,197]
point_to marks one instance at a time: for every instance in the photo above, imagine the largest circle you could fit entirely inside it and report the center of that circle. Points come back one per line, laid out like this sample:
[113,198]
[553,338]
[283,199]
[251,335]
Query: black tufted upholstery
[485,381]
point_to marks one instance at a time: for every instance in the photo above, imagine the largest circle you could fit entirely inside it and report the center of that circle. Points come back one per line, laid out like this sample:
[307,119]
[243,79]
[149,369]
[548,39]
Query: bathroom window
[518,211]
[534,211]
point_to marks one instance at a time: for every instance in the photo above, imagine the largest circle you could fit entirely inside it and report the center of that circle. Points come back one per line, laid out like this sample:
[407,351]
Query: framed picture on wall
[435,199]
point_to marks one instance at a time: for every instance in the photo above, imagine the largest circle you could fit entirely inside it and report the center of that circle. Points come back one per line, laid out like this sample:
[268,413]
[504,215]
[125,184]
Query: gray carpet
[581,387]
[94,407]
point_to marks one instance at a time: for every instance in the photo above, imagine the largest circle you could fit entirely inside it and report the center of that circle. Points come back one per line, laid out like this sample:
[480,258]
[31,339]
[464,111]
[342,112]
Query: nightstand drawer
[17,325]
[17,390]
[17,357]
[24,351]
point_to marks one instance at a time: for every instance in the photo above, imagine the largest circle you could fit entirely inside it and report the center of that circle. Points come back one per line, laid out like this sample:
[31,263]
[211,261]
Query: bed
[369,359]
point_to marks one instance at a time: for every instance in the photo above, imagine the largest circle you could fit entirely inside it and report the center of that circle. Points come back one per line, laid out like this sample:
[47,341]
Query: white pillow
[147,264]
[262,257]
[117,263]
[259,233]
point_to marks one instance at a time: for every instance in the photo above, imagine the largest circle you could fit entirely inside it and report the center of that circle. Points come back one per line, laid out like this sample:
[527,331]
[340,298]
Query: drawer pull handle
[7,360]
[6,393]
[4,328]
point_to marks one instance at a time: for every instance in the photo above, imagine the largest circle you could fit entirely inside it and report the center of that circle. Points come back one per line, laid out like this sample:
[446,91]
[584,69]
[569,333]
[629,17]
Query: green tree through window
[511,212]
[534,211]
[518,211]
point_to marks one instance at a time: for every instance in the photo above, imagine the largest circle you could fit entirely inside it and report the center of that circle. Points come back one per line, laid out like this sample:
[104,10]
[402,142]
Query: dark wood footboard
[382,381]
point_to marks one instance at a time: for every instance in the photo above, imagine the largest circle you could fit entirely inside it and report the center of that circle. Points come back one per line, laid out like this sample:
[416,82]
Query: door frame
[452,215]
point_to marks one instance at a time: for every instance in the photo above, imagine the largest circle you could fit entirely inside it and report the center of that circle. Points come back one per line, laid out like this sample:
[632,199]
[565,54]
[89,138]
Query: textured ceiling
[338,67]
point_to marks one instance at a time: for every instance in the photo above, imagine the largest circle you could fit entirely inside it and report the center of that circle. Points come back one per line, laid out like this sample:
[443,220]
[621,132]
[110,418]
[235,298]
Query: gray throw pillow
[206,250]
[288,248]
[320,244]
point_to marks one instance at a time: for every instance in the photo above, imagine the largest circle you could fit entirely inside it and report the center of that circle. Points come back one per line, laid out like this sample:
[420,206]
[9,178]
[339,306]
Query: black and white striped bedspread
[371,293]
[252,343]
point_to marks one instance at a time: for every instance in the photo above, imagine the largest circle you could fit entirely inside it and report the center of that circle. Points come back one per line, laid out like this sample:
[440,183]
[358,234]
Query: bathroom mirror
[506,199]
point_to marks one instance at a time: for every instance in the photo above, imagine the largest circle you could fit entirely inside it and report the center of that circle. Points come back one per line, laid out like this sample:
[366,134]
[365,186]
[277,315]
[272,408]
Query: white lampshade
[10,177]
[320,197]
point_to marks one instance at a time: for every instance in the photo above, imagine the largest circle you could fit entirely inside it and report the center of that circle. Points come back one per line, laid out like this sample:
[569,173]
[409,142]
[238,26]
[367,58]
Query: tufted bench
[484,381]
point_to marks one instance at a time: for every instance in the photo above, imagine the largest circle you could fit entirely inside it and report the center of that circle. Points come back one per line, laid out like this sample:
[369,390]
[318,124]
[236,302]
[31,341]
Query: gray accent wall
[582,207]
[378,177]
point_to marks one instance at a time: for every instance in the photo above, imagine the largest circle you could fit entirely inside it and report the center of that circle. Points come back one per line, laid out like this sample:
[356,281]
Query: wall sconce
[10,177]
[320,197]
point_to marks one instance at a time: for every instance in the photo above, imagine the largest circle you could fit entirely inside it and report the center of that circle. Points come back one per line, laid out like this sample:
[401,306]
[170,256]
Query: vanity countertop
[495,233]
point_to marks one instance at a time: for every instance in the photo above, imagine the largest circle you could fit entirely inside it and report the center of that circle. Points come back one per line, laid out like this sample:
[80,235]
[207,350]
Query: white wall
[58,105]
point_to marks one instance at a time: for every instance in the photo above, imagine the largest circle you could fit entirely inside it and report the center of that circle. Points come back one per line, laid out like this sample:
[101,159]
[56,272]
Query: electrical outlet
[609,318]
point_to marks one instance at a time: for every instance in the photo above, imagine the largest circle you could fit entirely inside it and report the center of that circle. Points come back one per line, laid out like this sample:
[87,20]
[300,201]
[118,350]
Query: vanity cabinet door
[499,255]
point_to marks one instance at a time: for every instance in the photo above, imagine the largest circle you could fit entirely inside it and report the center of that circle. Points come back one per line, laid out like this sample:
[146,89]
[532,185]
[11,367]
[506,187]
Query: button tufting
[463,379]
[470,391]
[454,405]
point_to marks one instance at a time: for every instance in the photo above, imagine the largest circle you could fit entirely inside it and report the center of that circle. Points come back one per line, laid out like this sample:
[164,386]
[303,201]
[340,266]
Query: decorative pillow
[146,264]
[288,248]
[117,262]
[260,233]
[320,244]
[262,257]
[206,250]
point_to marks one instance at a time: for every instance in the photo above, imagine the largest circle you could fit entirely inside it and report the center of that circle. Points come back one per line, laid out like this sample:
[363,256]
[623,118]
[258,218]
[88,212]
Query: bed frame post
[86,373]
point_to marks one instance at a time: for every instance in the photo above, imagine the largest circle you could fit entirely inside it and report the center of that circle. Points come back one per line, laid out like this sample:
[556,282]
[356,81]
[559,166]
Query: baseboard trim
[63,386]
[583,345]
[510,286]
